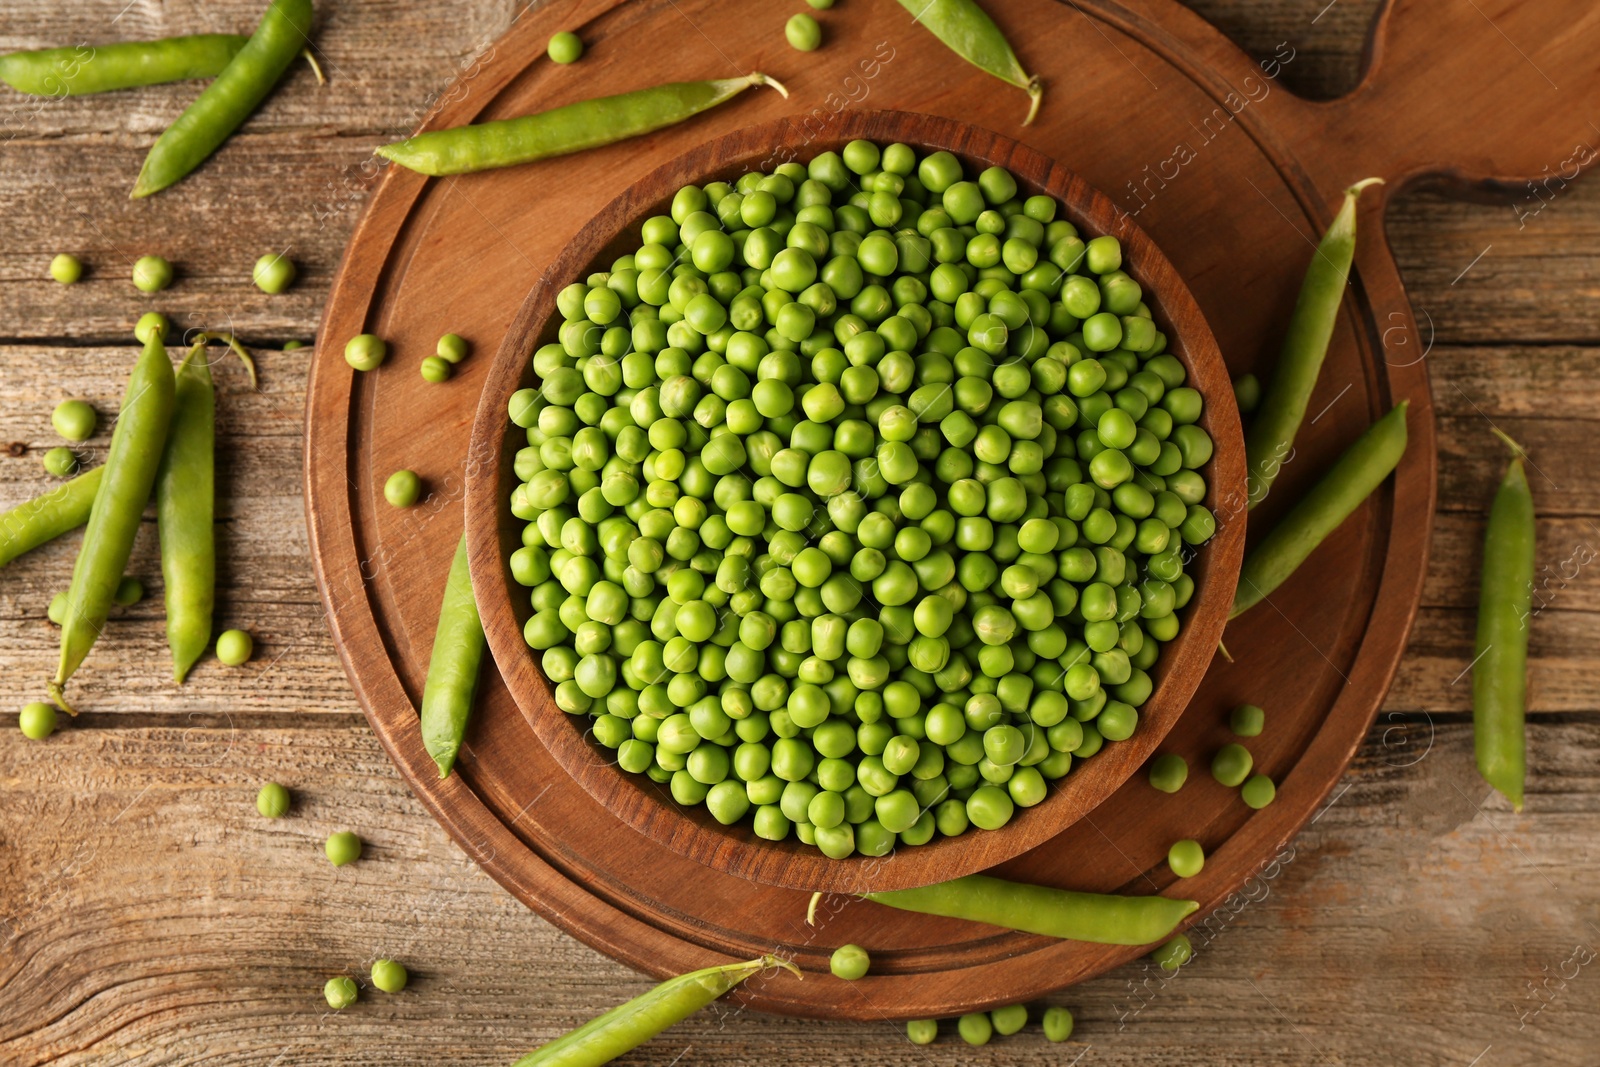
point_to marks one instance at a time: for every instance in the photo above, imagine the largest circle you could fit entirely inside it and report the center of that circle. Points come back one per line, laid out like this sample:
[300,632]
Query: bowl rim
[648,807]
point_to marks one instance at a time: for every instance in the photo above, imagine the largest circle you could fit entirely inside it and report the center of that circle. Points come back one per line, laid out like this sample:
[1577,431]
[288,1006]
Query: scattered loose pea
[402,488]
[1246,720]
[1186,858]
[66,269]
[273,801]
[342,848]
[1168,772]
[129,591]
[975,1029]
[234,647]
[918,1031]
[1247,393]
[1231,765]
[565,47]
[37,720]
[452,348]
[1057,1023]
[365,352]
[1258,792]
[291,346]
[803,32]
[1009,1020]
[151,324]
[435,369]
[57,611]
[74,419]
[820,5]
[151,274]
[389,976]
[340,993]
[60,461]
[1173,954]
[849,962]
[273,273]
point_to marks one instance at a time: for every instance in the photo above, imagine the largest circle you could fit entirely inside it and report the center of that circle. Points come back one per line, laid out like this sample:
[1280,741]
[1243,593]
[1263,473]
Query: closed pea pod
[130,473]
[85,69]
[1499,667]
[185,503]
[630,1025]
[1270,439]
[970,33]
[1361,469]
[458,644]
[1100,918]
[562,130]
[229,100]
[48,516]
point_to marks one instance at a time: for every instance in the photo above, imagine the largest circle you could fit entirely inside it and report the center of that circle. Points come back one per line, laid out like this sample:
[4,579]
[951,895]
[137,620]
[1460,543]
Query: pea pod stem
[563,130]
[968,31]
[238,349]
[1099,918]
[1499,666]
[630,1025]
[1362,468]
[458,645]
[48,516]
[137,444]
[185,513]
[1270,440]
[228,101]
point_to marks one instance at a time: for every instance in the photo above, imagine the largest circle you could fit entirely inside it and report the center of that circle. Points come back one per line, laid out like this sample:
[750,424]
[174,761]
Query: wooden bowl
[492,532]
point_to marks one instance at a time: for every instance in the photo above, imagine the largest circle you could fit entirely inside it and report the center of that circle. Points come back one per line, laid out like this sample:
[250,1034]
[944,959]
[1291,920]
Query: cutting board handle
[1486,95]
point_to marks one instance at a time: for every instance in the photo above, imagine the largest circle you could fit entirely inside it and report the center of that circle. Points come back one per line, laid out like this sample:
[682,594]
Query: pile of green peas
[858,499]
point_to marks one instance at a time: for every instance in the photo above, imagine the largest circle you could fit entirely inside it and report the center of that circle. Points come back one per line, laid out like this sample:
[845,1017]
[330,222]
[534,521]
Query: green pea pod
[1283,406]
[1499,666]
[458,645]
[86,69]
[1099,918]
[185,506]
[970,33]
[130,473]
[1361,469]
[229,100]
[48,515]
[563,130]
[630,1025]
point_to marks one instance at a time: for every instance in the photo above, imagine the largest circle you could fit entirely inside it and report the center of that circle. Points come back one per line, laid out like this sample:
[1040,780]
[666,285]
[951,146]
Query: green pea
[389,976]
[1173,954]
[976,1028]
[1009,1020]
[65,268]
[235,647]
[272,274]
[402,488]
[1258,791]
[60,462]
[1231,765]
[849,962]
[74,420]
[37,720]
[151,274]
[1057,1023]
[340,993]
[564,47]
[366,352]
[1186,858]
[918,1031]
[342,848]
[1246,720]
[1168,772]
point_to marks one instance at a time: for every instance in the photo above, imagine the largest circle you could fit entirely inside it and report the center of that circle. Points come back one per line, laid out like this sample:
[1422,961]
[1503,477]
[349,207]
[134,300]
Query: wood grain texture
[1408,927]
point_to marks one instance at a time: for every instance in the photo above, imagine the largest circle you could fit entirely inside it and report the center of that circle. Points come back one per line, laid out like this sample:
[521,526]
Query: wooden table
[148,915]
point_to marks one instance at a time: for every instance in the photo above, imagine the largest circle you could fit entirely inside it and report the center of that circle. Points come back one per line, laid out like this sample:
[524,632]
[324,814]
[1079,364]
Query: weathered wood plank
[153,917]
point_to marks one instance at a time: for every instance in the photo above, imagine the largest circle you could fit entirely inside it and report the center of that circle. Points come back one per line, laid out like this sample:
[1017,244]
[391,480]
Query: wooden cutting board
[1232,176]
